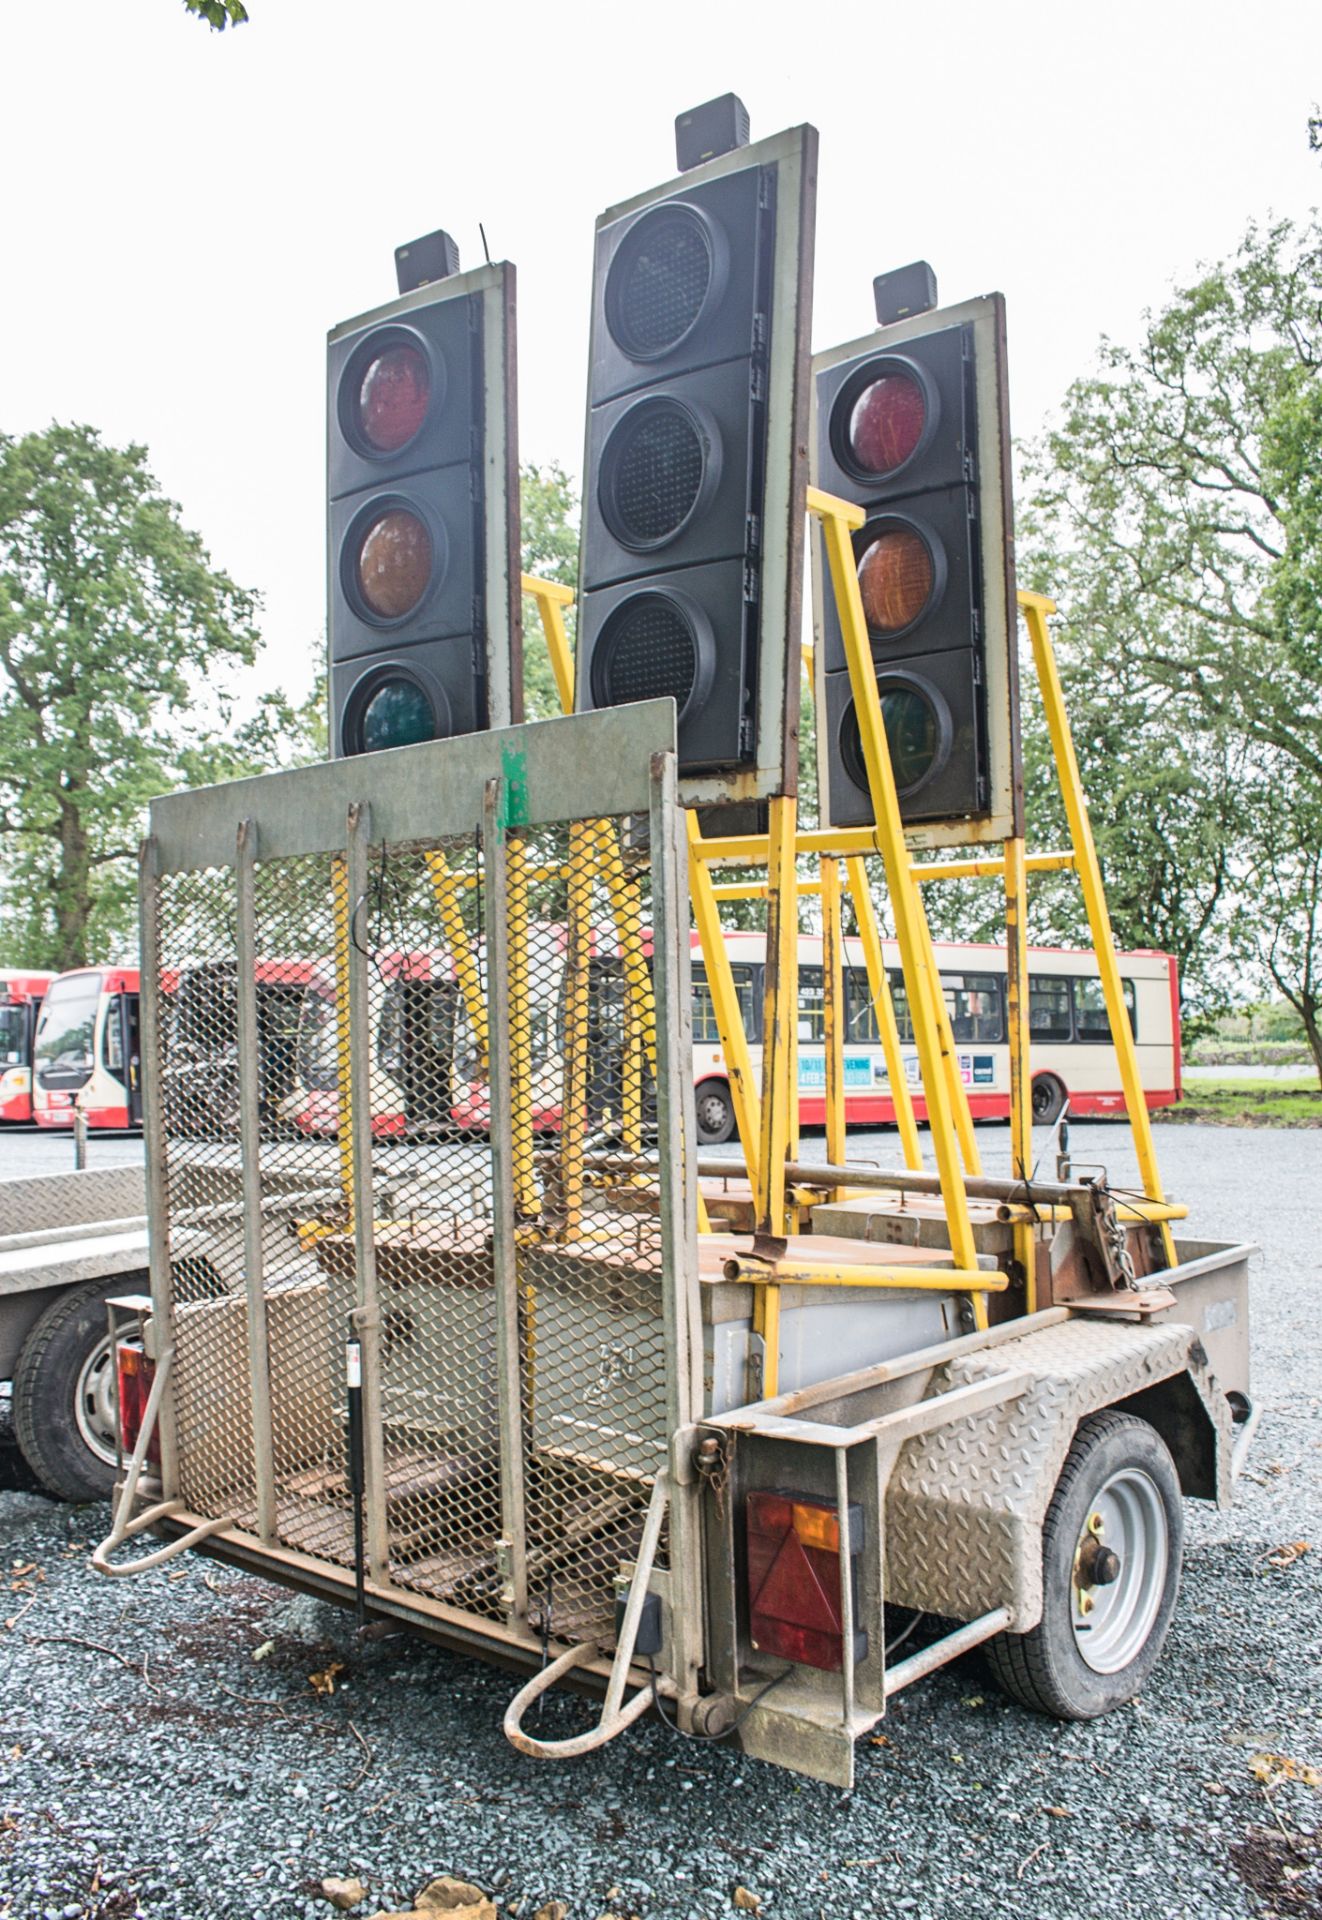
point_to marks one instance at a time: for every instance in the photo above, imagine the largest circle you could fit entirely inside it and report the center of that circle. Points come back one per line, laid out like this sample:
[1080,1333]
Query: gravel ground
[189,1767]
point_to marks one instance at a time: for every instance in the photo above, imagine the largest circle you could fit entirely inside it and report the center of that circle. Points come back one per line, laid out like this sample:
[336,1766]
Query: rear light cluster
[135,1373]
[794,1578]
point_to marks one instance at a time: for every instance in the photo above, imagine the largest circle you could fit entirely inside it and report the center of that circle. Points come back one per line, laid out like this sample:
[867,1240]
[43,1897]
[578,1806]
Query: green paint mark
[514,794]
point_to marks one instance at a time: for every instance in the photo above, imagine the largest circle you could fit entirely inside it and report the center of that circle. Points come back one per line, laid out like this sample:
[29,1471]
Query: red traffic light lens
[394,564]
[895,577]
[393,397]
[887,423]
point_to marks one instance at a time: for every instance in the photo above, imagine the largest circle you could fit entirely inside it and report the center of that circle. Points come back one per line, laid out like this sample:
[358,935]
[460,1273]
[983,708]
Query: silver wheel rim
[94,1402]
[1112,1623]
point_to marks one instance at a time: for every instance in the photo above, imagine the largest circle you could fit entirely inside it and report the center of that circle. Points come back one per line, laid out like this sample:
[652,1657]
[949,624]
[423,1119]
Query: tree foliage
[219,14]
[1175,512]
[549,508]
[120,650]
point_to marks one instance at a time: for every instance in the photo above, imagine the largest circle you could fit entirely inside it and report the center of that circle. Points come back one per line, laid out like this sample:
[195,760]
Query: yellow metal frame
[766,1116]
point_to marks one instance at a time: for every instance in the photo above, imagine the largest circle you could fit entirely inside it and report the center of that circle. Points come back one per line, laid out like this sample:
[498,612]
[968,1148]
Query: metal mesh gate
[415,1078]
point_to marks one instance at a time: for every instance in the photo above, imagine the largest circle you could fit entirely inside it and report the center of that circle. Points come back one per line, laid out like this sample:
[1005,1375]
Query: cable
[725,1732]
[900,1638]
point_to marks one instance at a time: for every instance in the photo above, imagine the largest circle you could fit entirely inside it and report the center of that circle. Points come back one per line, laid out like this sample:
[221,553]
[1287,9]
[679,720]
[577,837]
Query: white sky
[186,214]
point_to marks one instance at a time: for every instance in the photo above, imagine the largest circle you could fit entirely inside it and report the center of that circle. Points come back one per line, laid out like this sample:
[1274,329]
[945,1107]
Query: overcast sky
[187,213]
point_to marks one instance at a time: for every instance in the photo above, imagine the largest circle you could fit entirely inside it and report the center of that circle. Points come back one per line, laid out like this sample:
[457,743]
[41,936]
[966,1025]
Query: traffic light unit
[912,424]
[691,563]
[424,597]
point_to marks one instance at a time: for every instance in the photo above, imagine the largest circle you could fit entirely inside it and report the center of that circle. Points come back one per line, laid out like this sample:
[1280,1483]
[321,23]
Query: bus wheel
[1048,1100]
[1111,1547]
[64,1395]
[715,1111]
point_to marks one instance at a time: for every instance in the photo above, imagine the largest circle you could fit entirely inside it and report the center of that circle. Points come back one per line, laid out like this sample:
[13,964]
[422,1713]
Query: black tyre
[715,1110]
[1111,1550]
[1048,1100]
[64,1393]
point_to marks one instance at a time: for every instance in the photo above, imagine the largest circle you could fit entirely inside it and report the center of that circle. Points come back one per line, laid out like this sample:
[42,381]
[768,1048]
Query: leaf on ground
[1059,1813]
[324,1682]
[747,1902]
[1285,1555]
[260,1653]
[1269,1769]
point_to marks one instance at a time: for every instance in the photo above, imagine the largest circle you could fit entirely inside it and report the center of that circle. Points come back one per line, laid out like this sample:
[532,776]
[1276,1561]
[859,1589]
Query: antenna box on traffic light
[912,424]
[690,579]
[423,507]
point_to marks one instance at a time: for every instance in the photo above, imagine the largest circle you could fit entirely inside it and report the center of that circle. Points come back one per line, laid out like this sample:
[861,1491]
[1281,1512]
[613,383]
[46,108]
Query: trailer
[753,1442]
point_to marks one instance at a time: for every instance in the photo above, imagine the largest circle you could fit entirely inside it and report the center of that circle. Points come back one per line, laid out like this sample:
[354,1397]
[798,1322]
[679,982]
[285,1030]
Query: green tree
[119,647]
[1176,515]
[219,14]
[549,508]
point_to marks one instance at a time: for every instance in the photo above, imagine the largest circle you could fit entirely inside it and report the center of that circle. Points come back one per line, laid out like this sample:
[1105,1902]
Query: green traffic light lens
[911,729]
[399,714]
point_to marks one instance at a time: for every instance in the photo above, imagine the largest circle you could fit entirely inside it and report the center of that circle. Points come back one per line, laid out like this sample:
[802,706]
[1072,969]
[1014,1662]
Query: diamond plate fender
[965,1505]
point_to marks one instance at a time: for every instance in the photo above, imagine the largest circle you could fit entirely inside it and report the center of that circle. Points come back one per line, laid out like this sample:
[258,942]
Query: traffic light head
[912,425]
[691,560]
[422,473]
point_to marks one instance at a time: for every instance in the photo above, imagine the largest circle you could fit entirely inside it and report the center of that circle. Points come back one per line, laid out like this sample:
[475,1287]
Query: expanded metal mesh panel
[592,1331]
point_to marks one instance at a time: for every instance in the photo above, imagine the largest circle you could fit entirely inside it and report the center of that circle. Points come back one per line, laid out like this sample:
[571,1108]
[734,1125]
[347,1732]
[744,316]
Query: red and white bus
[1071,1052]
[415,1087]
[87,1049]
[21,995]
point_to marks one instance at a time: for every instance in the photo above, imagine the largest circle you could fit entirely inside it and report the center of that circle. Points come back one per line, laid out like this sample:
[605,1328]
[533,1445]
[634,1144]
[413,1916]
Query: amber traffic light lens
[887,423]
[895,577]
[393,398]
[399,714]
[394,564]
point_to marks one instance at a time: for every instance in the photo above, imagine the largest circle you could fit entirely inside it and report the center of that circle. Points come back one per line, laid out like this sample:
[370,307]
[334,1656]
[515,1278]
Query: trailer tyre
[64,1395]
[1111,1549]
[715,1113]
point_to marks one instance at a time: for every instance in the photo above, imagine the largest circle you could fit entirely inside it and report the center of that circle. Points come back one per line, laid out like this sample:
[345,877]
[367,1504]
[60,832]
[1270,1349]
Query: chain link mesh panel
[582,1064]
[510,1450]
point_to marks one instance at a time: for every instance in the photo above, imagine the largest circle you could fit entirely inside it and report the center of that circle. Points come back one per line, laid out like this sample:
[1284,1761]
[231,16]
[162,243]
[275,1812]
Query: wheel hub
[1119,1571]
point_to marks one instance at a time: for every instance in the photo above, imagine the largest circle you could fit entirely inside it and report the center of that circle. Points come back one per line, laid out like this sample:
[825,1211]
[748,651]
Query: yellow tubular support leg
[1036,607]
[780,1021]
[552,600]
[916,958]
[526,1200]
[340,907]
[448,888]
[879,985]
[578,961]
[725,1002]
[833,1015]
[1021,1077]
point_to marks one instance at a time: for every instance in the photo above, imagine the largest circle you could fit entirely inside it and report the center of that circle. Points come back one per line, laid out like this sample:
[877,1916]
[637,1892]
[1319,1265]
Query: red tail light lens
[794,1578]
[135,1373]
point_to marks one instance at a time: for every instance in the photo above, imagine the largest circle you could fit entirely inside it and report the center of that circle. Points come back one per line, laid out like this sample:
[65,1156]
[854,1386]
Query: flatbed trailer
[585,1403]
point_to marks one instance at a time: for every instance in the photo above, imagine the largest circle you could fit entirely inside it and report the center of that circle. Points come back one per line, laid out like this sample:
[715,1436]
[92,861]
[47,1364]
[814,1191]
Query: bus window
[973,1001]
[1048,1007]
[900,1001]
[705,1031]
[1090,1021]
[861,1024]
[112,1044]
[812,1004]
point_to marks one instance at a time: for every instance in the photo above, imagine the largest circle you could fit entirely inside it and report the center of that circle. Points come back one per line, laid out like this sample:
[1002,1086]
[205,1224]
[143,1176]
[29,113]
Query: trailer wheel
[1048,1100]
[1111,1548]
[64,1395]
[715,1111]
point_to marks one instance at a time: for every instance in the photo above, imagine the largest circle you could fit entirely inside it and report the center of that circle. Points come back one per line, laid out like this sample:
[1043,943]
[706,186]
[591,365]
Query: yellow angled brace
[447,888]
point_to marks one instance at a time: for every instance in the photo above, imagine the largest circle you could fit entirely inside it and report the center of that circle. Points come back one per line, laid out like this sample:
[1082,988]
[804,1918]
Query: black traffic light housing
[423,511]
[912,424]
[690,577]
